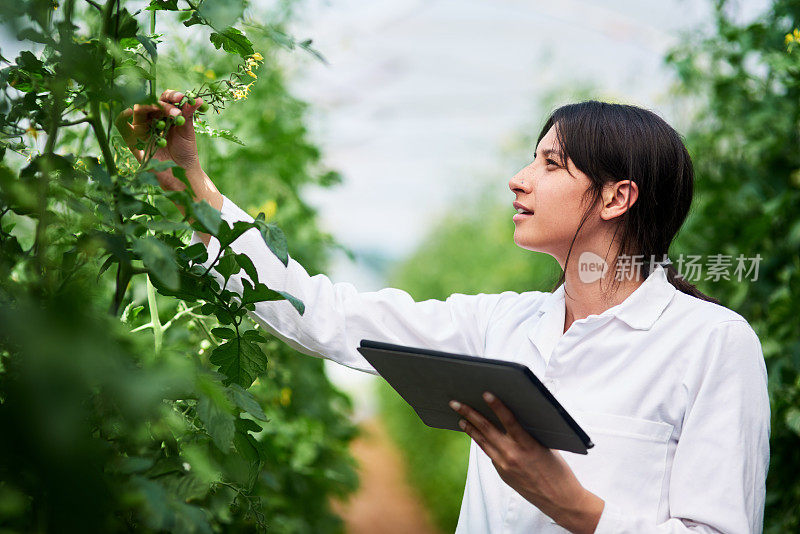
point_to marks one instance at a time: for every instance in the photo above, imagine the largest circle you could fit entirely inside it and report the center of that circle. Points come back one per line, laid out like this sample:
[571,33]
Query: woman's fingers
[506,417]
[478,421]
[124,126]
[487,446]
[169,109]
[126,130]
[173,97]
[170,95]
[142,112]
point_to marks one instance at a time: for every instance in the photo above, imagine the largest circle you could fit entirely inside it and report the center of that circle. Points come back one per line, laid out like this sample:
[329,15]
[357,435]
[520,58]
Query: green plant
[743,87]
[173,419]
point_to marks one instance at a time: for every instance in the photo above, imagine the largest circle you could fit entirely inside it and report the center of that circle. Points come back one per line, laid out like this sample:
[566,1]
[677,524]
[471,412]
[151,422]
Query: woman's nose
[517,182]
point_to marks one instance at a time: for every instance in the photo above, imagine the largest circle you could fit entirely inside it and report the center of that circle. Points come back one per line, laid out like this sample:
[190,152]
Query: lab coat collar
[639,311]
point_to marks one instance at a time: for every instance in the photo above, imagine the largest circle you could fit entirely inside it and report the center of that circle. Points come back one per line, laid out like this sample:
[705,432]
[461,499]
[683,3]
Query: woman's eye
[551,162]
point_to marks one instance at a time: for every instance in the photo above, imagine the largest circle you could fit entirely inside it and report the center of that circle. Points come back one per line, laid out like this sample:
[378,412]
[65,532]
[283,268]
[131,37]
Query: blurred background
[387,164]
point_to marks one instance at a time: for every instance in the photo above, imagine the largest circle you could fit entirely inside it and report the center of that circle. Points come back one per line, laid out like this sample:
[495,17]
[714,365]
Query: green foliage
[745,143]
[189,418]
[471,250]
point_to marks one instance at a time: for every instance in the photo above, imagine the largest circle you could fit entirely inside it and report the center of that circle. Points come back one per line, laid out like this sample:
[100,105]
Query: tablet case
[428,380]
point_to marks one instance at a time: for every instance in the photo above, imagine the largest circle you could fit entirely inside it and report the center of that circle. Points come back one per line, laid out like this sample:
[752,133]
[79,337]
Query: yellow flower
[257,57]
[268,208]
[208,73]
[251,73]
[286,396]
[789,38]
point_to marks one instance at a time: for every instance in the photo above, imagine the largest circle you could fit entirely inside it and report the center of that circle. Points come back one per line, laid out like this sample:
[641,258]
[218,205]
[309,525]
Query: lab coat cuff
[611,520]
[232,213]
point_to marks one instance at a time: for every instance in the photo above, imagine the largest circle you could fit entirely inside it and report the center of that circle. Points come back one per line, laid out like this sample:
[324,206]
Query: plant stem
[113,65]
[199,322]
[155,58]
[158,331]
[102,140]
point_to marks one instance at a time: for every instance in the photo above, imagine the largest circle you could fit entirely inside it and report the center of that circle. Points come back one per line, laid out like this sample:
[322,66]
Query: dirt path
[384,503]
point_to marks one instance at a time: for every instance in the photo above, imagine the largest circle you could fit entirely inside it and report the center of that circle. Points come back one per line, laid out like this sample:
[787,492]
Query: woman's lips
[521,216]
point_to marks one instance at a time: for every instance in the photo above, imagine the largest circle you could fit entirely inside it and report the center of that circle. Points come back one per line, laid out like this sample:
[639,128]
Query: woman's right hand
[181,144]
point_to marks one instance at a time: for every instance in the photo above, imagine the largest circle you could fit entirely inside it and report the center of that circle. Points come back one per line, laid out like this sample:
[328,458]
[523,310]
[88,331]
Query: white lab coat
[671,389]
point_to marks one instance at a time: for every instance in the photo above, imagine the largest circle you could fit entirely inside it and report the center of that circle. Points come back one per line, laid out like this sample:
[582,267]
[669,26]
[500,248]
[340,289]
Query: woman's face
[555,197]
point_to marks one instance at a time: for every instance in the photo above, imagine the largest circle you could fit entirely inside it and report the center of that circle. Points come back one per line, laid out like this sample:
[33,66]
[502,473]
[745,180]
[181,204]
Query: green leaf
[163,5]
[240,360]
[159,166]
[148,45]
[228,234]
[246,263]
[191,288]
[232,41]
[32,35]
[106,264]
[197,253]
[256,336]
[274,238]
[246,401]
[223,316]
[227,265]
[224,333]
[123,24]
[219,423]
[202,127]
[247,425]
[194,19]
[247,447]
[130,464]
[130,206]
[159,260]
[186,486]
[207,216]
[261,293]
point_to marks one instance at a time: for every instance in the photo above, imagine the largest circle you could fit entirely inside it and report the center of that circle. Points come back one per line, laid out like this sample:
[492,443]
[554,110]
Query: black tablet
[428,380]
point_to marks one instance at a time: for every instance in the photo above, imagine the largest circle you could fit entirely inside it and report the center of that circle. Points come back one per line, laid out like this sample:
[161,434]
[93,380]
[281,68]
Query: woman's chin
[527,243]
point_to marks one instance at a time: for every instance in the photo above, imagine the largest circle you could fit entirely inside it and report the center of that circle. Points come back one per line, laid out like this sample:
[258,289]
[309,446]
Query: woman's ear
[617,198]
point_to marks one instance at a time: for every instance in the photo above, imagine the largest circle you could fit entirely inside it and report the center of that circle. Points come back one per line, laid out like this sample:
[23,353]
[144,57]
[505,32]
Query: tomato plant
[134,391]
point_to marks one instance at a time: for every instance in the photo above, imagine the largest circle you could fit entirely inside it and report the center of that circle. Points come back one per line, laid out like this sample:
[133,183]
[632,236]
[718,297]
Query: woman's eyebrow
[549,152]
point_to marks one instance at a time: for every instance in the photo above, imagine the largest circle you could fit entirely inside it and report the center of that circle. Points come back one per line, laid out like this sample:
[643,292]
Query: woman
[670,385]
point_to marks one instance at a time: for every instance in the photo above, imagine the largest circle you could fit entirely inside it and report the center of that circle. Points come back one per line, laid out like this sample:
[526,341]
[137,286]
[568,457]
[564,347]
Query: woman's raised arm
[337,316]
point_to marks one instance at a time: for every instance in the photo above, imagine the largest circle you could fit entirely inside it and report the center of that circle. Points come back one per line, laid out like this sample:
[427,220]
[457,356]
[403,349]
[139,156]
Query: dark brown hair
[614,142]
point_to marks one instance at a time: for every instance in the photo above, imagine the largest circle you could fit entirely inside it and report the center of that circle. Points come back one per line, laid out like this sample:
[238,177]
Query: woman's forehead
[549,141]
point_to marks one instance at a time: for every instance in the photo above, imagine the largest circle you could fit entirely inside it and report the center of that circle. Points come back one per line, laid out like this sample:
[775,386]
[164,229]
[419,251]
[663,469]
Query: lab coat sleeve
[337,316]
[718,476]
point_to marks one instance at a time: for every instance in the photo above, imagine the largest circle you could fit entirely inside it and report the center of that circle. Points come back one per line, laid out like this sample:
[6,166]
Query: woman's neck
[584,298]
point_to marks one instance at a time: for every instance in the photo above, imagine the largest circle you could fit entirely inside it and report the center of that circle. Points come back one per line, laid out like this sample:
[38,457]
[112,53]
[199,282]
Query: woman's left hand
[537,473]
